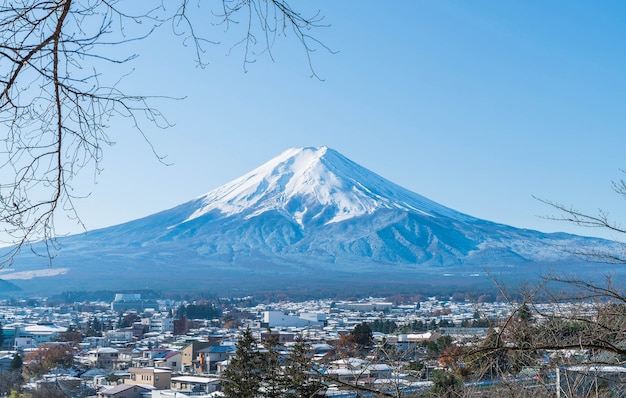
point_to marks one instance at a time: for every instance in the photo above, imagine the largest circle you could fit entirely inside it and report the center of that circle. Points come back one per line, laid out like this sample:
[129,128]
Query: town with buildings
[133,347]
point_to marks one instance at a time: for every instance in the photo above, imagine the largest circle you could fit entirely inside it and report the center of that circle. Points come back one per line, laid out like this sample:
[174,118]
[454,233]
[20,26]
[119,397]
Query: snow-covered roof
[104,350]
[44,329]
[195,379]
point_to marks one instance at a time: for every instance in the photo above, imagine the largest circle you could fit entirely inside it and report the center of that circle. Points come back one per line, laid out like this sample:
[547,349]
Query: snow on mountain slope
[307,210]
[305,182]
[313,205]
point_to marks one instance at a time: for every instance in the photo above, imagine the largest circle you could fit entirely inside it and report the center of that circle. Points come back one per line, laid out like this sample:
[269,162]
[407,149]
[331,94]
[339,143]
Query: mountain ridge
[307,212]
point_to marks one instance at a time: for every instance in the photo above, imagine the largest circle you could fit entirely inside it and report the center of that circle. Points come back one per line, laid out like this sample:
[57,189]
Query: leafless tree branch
[56,103]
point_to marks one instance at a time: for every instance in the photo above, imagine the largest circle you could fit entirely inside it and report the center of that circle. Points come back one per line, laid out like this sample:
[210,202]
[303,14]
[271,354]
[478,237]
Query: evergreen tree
[243,378]
[432,325]
[301,380]
[71,335]
[415,326]
[94,328]
[383,326]
[272,374]
[362,334]
[446,384]
[16,363]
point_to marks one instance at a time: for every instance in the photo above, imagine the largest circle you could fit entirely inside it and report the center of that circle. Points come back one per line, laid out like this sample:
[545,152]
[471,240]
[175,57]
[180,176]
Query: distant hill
[308,220]
[8,289]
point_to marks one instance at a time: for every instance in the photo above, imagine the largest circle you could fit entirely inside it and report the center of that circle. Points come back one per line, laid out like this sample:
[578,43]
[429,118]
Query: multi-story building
[123,302]
[189,354]
[209,357]
[160,378]
[159,324]
[103,357]
[273,319]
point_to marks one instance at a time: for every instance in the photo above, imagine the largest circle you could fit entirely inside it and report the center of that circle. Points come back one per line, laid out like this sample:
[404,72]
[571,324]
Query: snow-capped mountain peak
[314,184]
[309,217]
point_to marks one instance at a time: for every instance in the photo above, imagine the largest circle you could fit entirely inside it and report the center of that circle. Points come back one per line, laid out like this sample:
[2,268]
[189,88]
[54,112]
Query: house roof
[171,354]
[160,355]
[221,349]
[150,369]
[104,350]
[195,379]
[125,387]
[44,329]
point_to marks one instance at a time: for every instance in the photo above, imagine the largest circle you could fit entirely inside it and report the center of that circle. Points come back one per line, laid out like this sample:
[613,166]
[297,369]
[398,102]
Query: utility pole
[558,382]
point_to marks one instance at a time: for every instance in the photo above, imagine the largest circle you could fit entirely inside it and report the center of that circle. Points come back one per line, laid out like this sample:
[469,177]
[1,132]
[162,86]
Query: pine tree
[13,378]
[362,334]
[243,377]
[272,373]
[301,381]
[16,363]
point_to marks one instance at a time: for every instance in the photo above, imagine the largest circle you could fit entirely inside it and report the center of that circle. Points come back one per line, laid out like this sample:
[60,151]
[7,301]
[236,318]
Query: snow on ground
[6,274]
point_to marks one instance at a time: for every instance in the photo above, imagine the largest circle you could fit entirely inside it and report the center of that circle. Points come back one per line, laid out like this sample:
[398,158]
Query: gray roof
[125,387]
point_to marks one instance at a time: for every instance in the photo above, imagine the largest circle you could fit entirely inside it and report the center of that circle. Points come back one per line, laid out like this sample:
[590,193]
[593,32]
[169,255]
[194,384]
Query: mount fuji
[308,220]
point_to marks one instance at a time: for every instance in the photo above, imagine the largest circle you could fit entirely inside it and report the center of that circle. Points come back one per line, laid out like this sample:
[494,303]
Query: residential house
[195,384]
[209,357]
[94,342]
[170,360]
[189,354]
[119,337]
[281,337]
[156,377]
[126,358]
[126,391]
[103,357]
[356,370]
[149,357]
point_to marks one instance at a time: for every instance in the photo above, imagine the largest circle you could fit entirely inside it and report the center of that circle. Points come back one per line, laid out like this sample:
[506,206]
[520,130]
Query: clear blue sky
[476,105]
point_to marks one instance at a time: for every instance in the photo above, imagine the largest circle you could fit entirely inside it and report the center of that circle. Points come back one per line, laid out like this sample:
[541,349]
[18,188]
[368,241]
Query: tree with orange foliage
[47,357]
[345,346]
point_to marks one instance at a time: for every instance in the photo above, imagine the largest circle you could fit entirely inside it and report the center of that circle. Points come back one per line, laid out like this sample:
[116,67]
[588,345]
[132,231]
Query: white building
[365,306]
[274,319]
[158,324]
[118,336]
[30,336]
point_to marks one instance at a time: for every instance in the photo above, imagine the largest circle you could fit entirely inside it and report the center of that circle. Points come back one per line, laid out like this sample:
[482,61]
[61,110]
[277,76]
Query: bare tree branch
[56,103]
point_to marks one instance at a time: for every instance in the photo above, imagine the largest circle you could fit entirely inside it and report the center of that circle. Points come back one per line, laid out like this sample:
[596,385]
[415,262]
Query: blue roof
[219,349]
[160,355]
